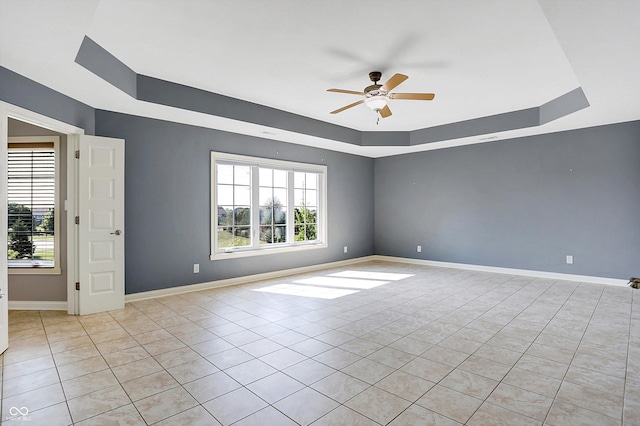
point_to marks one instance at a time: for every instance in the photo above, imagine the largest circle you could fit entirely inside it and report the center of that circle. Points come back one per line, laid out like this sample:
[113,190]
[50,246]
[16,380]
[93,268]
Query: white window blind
[31,194]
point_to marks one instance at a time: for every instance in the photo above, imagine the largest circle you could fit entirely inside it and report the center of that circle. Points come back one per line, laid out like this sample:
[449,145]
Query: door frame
[70,204]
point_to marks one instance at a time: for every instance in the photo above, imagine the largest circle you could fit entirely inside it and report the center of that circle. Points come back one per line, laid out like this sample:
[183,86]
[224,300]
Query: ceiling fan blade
[347,107]
[350,92]
[413,96]
[393,82]
[385,112]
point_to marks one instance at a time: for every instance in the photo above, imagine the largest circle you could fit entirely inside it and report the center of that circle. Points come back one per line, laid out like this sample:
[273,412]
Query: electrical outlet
[345,249]
[196,268]
[569,260]
[419,249]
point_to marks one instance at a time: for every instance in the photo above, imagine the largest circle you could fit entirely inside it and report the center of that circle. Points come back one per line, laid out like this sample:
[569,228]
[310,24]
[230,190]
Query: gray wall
[167,202]
[20,91]
[38,286]
[517,204]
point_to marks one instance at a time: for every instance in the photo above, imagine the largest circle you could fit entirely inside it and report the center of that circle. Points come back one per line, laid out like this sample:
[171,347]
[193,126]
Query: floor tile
[429,370]
[98,402]
[250,371]
[234,406]
[309,371]
[196,416]
[377,404]
[275,387]
[89,383]
[29,382]
[165,404]
[151,384]
[417,415]
[35,399]
[210,387]
[469,383]
[135,369]
[405,385]
[368,371]
[521,401]
[344,416]
[565,414]
[125,415]
[450,403]
[340,386]
[185,373]
[306,406]
[489,414]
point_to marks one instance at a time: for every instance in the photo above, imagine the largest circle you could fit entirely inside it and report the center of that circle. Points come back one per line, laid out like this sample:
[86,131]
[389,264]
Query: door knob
[117,232]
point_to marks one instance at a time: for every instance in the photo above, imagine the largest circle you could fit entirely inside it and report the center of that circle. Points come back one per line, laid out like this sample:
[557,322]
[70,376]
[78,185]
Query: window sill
[31,269]
[261,252]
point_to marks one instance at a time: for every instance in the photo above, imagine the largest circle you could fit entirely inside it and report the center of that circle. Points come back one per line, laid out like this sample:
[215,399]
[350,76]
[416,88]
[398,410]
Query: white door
[100,224]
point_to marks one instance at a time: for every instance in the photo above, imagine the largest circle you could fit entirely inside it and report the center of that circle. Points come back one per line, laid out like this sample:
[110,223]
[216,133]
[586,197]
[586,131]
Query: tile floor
[374,343]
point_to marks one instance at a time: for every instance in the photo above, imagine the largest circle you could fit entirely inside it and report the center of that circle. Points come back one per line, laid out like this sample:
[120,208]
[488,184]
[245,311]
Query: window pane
[266,197]
[242,216]
[280,215]
[225,195]
[298,197]
[242,175]
[311,181]
[266,235]
[280,234]
[266,215]
[266,177]
[242,236]
[279,197]
[311,234]
[225,215]
[225,174]
[225,237]
[280,178]
[311,198]
[298,180]
[312,216]
[242,195]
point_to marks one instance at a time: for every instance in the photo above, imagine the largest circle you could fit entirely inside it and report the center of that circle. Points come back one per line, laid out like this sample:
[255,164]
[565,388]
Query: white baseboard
[278,274]
[36,305]
[240,280]
[510,271]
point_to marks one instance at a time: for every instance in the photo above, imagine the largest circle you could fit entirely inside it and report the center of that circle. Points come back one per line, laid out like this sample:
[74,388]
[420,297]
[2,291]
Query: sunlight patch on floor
[335,285]
[372,275]
[306,291]
[342,282]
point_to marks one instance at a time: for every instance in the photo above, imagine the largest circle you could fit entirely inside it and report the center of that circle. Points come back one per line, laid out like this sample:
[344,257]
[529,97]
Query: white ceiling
[481,58]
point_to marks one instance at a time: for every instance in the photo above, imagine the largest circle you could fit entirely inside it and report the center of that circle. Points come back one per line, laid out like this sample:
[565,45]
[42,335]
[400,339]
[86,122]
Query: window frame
[34,268]
[256,249]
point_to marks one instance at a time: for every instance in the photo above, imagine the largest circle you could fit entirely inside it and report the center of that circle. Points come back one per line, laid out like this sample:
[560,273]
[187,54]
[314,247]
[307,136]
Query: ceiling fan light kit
[377,96]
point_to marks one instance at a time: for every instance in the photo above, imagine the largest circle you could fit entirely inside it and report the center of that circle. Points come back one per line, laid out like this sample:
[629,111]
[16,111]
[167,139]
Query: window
[32,197]
[264,206]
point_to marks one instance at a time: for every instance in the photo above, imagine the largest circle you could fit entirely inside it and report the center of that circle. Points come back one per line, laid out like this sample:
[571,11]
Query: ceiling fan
[377,96]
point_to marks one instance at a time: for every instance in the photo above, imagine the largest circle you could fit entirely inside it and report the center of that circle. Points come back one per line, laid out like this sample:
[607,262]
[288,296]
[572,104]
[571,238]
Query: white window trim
[34,269]
[276,164]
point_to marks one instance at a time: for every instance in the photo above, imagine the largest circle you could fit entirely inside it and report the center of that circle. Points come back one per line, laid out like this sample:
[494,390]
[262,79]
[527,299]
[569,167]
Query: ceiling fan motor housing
[375,76]
[374,90]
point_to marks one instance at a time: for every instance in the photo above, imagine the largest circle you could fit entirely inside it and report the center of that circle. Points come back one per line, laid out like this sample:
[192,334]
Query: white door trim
[73,133]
